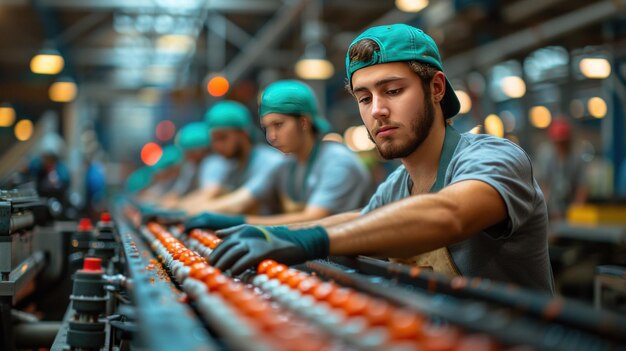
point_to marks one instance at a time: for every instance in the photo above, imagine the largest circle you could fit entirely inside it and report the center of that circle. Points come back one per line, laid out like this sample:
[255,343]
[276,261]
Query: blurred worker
[47,169]
[561,170]
[165,172]
[250,167]
[320,178]
[193,139]
[95,184]
[461,203]
[210,172]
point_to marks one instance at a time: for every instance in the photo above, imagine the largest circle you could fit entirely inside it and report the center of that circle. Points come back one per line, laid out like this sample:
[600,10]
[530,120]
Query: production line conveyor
[149,286]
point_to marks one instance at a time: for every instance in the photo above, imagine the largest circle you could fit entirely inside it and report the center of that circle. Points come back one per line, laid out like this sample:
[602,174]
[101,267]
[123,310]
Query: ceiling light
[513,86]
[597,107]
[63,90]
[540,117]
[176,44]
[23,130]
[597,68]
[411,5]
[7,115]
[314,69]
[47,61]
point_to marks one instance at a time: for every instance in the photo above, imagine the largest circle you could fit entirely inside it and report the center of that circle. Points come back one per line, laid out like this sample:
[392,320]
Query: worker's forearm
[414,225]
[327,221]
[289,218]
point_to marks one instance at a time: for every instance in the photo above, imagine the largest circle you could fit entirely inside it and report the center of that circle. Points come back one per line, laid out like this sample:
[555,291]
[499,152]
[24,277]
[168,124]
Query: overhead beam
[267,37]
[502,48]
[234,34]
[524,9]
[242,6]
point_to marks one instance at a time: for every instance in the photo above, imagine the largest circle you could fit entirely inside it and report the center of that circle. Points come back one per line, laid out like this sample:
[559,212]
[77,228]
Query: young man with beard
[465,204]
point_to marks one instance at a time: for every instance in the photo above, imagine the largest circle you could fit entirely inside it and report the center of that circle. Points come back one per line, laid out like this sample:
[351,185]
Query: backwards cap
[193,136]
[229,115]
[401,42]
[293,97]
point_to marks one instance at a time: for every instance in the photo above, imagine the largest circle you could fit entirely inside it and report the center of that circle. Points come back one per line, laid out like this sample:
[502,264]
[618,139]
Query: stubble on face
[419,129]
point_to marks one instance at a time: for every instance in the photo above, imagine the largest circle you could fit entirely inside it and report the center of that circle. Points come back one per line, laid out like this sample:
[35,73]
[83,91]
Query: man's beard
[419,128]
[237,152]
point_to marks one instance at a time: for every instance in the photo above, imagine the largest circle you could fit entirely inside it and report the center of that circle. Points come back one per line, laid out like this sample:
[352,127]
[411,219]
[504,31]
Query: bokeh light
[151,153]
[218,86]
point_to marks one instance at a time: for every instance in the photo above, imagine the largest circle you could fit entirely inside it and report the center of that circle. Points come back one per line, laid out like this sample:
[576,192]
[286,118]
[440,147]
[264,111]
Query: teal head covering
[398,43]
[172,156]
[229,114]
[139,179]
[193,136]
[293,97]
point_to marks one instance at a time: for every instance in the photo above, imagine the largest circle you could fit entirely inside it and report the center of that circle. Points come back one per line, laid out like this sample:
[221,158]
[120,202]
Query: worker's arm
[421,223]
[407,227]
[236,202]
[310,213]
[200,197]
[327,221]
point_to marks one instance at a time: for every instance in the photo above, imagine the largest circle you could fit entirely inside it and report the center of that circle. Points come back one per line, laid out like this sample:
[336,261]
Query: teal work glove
[213,221]
[253,244]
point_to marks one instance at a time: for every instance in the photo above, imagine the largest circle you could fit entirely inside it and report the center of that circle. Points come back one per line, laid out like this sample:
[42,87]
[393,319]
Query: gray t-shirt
[516,251]
[256,176]
[213,170]
[187,179]
[336,181]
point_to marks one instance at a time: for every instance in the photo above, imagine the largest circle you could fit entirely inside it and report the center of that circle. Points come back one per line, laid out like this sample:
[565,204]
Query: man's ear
[438,86]
[305,123]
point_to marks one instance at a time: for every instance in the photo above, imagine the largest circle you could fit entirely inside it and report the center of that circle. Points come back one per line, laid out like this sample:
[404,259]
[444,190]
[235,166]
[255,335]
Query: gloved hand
[252,244]
[213,221]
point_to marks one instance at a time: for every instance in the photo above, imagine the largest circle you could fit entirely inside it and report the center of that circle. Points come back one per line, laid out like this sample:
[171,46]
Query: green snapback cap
[293,97]
[192,136]
[401,42]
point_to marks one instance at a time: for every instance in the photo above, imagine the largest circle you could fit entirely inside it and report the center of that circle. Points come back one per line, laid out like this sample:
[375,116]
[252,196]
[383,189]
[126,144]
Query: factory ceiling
[121,46]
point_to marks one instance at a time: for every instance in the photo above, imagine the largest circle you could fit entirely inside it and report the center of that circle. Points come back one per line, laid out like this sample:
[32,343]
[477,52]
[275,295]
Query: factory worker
[249,168]
[165,171]
[194,140]
[319,178]
[461,203]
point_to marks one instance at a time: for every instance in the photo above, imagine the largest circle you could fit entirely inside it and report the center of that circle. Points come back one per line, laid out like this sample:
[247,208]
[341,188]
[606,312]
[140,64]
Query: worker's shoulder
[488,145]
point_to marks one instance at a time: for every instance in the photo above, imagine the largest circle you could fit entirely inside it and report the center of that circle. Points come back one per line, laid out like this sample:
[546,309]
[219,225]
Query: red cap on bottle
[105,217]
[92,264]
[84,225]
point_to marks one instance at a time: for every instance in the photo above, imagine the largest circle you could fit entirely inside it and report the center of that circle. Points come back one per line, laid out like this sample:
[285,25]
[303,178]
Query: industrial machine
[140,283]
